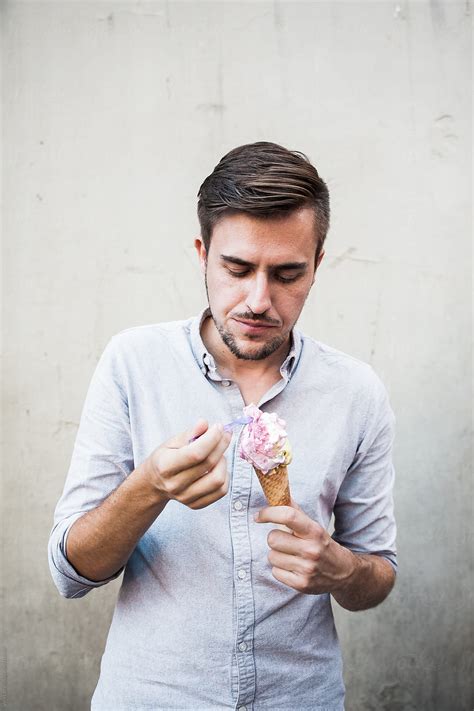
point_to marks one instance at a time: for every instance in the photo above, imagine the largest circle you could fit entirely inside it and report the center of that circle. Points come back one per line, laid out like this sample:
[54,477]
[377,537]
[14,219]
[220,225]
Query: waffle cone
[275,485]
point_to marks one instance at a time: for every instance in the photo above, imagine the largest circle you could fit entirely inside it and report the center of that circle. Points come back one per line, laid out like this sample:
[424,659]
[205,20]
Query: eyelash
[285,280]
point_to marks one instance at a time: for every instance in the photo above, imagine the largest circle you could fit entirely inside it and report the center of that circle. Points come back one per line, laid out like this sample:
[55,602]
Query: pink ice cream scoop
[264,442]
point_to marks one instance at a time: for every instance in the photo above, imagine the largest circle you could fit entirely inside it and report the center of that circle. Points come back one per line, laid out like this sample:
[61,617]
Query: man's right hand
[191,472]
[194,473]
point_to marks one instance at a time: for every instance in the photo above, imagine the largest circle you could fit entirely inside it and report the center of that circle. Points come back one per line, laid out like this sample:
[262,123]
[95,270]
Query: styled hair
[265,180]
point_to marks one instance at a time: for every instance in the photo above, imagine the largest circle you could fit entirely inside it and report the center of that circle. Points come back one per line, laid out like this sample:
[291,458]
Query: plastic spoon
[230,425]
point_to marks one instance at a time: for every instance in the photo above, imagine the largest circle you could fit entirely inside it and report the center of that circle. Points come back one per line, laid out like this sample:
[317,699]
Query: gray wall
[113,115]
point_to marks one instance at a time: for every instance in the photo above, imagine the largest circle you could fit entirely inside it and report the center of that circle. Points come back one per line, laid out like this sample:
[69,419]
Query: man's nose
[258,298]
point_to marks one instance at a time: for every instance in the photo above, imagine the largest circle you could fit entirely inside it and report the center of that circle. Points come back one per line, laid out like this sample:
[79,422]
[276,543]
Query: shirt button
[242,708]
[241,573]
[242,647]
[238,505]
[226,383]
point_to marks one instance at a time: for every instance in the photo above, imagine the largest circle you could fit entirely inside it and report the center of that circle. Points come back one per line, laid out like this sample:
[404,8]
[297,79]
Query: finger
[201,448]
[184,479]
[216,454]
[292,563]
[293,545]
[293,580]
[193,454]
[296,520]
[182,439]
[208,489]
[200,427]
[206,484]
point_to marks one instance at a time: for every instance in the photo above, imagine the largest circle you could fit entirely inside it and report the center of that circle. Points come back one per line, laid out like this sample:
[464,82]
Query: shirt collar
[207,363]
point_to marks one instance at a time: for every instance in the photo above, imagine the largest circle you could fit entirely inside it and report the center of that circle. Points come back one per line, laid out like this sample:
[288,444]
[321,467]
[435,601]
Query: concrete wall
[114,112]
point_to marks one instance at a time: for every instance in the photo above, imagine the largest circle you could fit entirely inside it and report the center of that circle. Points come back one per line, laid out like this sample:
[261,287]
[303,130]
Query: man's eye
[279,277]
[238,274]
[287,279]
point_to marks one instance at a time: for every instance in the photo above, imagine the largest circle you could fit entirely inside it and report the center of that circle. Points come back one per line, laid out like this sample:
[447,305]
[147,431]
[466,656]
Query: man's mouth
[254,325]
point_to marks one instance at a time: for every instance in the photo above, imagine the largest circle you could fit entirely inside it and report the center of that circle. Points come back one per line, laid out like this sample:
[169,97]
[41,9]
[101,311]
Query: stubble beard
[263,352]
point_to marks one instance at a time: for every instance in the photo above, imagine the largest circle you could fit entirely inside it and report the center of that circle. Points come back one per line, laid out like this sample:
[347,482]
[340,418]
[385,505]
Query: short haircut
[265,180]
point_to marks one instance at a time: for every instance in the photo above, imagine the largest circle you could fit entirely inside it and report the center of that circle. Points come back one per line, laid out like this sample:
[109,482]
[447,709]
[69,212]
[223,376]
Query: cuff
[69,582]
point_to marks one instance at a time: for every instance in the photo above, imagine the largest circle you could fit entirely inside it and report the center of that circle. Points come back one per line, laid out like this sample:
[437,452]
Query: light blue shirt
[200,622]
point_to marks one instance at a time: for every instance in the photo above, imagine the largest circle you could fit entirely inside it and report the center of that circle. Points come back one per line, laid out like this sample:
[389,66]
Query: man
[219,608]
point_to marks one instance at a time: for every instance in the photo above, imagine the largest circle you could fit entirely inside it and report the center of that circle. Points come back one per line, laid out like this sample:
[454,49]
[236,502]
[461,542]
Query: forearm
[370,581]
[100,542]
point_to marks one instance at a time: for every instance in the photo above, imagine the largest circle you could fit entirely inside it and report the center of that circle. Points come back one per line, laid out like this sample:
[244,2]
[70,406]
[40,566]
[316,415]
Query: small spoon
[229,426]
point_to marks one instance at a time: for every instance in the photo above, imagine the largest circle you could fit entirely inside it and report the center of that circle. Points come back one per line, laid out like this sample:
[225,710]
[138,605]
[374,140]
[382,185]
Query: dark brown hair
[265,180]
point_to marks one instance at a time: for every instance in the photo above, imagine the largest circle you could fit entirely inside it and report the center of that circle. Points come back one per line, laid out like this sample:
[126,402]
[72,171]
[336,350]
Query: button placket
[245,614]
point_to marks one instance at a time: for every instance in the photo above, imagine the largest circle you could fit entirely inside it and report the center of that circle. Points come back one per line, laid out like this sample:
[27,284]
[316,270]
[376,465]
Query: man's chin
[255,349]
[253,353]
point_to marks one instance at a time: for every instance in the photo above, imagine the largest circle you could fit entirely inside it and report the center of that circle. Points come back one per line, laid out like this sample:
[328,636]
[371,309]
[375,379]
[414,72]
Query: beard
[228,338]
[261,353]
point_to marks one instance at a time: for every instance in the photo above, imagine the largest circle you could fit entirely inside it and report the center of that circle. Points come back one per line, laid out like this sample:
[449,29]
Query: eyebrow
[244,263]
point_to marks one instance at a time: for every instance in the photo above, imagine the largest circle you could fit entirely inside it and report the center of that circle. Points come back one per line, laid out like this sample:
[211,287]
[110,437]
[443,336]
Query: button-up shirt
[200,622]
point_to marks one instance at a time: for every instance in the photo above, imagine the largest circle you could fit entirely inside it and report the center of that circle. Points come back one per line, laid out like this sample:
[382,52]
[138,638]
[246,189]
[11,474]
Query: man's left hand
[307,558]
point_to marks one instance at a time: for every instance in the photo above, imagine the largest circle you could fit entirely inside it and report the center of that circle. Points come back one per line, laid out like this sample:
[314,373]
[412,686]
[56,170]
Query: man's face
[258,274]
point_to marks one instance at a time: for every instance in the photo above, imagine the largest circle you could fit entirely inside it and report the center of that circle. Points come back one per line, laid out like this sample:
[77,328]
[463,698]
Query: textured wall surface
[114,112]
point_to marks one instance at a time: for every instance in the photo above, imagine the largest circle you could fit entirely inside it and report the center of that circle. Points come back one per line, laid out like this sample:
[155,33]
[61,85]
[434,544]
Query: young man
[218,607]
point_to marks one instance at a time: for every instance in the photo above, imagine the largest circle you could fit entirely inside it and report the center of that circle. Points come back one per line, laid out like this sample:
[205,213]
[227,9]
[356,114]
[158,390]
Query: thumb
[183,438]
[198,429]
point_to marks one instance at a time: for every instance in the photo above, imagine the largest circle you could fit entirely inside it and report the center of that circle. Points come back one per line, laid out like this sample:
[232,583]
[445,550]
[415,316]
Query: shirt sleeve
[364,518]
[102,458]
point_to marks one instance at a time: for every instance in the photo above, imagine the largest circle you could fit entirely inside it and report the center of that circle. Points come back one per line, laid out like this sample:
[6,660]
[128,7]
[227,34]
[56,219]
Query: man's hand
[191,472]
[310,561]
[102,540]
[307,559]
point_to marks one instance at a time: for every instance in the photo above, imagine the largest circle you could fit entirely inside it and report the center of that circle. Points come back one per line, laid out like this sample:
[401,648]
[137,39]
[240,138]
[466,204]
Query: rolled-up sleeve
[102,458]
[364,518]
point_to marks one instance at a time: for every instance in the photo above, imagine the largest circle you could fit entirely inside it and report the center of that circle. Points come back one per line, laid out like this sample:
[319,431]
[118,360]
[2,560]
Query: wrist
[350,570]
[148,479]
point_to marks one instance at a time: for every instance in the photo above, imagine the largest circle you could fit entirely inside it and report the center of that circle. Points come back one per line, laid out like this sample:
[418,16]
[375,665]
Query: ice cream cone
[275,485]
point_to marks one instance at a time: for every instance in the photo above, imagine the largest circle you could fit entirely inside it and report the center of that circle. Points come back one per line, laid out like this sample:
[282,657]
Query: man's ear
[320,258]
[202,254]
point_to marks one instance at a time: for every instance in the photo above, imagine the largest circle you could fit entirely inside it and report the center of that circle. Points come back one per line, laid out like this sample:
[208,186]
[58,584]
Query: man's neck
[237,368]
